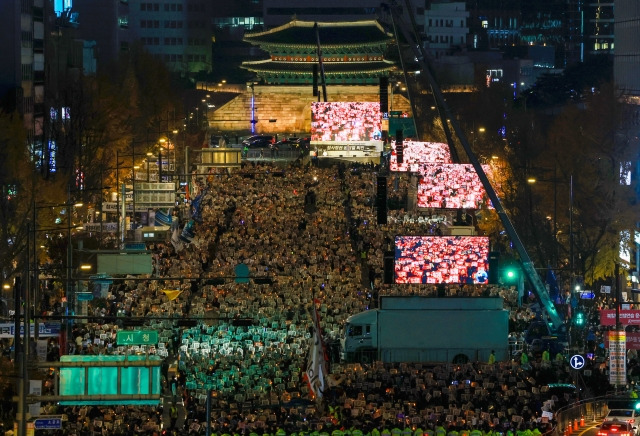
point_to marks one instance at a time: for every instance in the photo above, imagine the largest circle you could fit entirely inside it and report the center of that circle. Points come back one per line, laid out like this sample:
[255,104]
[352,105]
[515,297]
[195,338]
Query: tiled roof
[302,33]
[329,67]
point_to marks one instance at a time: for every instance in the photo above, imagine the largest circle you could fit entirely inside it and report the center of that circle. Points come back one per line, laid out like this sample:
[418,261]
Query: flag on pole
[316,370]
[175,239]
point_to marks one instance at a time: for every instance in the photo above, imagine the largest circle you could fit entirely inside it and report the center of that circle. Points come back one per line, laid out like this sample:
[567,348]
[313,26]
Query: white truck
[428,329]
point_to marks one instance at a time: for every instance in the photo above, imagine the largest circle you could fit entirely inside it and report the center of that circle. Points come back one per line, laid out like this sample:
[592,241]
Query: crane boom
[556,324]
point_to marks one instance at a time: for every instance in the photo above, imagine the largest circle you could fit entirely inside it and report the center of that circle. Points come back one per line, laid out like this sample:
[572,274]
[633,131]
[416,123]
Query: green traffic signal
[579,319]
[510,275]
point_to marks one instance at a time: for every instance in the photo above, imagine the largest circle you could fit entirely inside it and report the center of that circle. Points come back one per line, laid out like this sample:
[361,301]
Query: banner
[45,330]
[627,317]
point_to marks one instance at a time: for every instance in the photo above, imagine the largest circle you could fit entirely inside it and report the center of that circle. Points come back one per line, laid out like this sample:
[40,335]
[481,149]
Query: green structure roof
[329,67]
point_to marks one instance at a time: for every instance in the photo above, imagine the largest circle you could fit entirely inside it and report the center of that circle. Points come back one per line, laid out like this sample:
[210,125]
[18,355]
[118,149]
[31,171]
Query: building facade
[178,32]
[600,28]
[22,66]
[106,23]
[279,12]
[493,24]
[626,59]
[446,28]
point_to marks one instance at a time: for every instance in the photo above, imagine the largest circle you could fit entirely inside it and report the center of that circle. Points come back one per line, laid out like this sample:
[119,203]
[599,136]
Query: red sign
[633,341]
[627,317]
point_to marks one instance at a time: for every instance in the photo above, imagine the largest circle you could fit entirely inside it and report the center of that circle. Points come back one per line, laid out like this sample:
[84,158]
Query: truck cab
[360,339]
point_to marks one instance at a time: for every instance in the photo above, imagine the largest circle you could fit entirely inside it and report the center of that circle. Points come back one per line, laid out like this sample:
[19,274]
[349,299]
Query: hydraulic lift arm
[557,326]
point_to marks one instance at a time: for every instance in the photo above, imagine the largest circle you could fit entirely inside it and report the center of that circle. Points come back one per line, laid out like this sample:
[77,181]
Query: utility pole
[320,63]
[20,360]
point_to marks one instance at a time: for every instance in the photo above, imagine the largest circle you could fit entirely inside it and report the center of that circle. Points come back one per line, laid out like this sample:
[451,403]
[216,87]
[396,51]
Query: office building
[22,69]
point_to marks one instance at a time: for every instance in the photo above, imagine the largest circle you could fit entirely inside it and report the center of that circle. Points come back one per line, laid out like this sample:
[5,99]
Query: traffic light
[510,274]
[578,283]
[579,319]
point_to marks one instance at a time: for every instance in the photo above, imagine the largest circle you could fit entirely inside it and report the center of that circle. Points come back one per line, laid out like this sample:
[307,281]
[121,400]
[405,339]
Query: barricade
[594,409]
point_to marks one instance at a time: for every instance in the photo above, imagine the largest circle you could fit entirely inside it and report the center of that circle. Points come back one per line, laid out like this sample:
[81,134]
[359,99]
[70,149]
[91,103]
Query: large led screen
[451,186]
[442,259]
[416,153]
[346,128]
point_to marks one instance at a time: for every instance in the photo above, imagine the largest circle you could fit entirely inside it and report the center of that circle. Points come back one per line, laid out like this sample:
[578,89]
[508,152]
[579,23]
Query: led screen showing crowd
[417,153]
[442,259]
[451,186]
[340,121]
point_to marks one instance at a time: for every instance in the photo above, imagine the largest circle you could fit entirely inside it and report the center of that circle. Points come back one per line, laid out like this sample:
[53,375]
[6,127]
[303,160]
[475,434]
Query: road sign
[587,295]
[84,296]
[137,337]
[48,423]
[101,278]
[135,246]
[577,361]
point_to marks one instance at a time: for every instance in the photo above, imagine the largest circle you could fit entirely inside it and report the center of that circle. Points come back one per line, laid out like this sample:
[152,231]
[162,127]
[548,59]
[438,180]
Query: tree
[589,151]
[16,172]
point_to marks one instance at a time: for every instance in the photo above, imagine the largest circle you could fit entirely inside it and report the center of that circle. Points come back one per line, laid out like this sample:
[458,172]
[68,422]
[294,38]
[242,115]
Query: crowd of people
[250,341]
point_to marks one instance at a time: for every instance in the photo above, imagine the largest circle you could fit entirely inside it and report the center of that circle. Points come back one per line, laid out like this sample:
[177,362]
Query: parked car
[284,145]
[258,141]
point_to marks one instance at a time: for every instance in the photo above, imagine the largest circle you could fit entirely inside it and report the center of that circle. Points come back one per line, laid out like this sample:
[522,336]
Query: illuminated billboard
[451,186]
[442,259]
[417,153]
[346,129]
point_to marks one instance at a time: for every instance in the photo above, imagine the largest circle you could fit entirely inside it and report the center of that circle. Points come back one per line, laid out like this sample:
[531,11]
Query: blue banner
[45,330]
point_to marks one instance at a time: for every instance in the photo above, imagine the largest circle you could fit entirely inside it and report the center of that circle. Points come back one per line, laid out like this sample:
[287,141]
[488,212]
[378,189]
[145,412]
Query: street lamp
[170,148]
[121,190]
[532,180]
[22,348]
[474,133]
